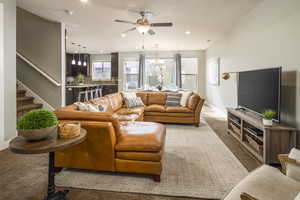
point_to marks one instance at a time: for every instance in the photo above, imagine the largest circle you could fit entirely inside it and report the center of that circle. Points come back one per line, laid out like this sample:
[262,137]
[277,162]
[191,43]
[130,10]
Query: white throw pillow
[184,97]
[292,170]
[134,102]
[90,107]
[129,95]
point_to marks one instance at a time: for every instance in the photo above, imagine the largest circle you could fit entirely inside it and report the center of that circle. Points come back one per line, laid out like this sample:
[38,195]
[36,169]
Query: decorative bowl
[37,134]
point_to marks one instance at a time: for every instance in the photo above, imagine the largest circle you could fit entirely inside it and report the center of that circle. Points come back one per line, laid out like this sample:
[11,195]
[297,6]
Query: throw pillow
[293,169]
[173,99]
[133,102]
[185,96]
[128,95]
[90,107]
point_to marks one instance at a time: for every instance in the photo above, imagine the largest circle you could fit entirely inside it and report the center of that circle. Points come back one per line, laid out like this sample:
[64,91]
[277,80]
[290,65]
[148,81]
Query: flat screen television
[259,90]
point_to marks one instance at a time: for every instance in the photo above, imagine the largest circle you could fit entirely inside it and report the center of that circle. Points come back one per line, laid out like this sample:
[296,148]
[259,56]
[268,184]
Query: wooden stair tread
[29,107]
[21,91]
[25,98]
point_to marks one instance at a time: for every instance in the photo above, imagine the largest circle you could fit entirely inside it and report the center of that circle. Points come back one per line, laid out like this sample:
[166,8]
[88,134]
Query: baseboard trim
[4,145]
[37,98]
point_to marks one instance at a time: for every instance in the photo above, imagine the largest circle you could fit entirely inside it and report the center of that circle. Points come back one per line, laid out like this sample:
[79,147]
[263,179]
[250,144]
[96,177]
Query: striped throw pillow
[133,102]
[173,99]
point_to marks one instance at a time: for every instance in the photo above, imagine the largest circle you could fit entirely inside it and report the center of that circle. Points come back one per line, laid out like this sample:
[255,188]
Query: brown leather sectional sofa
[118,140]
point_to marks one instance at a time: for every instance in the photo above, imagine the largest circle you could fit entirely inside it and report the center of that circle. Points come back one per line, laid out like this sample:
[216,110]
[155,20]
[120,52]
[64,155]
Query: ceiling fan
[143,25]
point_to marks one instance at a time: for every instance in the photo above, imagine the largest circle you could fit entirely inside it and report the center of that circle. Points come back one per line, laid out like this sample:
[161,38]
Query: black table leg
[52,194]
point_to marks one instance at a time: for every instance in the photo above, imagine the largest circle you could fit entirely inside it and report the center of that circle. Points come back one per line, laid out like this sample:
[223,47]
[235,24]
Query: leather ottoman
[140,148]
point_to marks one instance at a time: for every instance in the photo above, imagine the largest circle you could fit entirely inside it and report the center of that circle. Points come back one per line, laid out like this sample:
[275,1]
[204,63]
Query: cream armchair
[269,183]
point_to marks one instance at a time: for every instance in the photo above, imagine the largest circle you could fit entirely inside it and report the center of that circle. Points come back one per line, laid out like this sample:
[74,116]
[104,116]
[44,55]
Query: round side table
[20,146]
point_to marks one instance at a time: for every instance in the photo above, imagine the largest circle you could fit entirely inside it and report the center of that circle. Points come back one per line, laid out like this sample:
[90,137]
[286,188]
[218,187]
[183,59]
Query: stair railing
[52,80]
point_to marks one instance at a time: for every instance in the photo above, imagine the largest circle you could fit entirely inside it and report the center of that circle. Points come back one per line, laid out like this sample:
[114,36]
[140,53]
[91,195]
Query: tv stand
[263,142]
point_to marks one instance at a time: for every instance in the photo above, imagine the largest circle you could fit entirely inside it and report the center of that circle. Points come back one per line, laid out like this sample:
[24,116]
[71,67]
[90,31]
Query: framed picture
[213,70]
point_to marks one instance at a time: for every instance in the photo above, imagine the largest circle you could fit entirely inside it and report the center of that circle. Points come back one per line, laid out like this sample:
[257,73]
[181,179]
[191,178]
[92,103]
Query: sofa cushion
[116,101]
[193,101]
[185,96]
[266,183]
[173,99]
[155,108]
[144,96]
[133,102]
[178,109]
[134,110]
[142,156]
[141,137]
[157,98]
[104,102]
[165,114]
[126,117]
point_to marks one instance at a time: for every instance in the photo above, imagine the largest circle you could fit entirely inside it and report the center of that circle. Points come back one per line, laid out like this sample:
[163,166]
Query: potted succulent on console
[37,125]
[268,116]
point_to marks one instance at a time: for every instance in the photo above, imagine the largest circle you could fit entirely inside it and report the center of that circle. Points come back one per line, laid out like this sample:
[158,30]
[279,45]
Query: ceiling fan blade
[132,29]
[161,24]
[151,32]
[124,21]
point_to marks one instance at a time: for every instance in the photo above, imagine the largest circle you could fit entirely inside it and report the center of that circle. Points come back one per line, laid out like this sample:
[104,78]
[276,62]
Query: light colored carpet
[196,164]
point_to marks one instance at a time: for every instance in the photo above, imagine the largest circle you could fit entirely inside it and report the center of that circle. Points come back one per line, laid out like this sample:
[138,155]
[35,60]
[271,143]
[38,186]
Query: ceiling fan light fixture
[143,28]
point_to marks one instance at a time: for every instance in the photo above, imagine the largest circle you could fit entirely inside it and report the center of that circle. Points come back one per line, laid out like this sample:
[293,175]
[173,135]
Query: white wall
[269,36]
[8,72]
[166,54]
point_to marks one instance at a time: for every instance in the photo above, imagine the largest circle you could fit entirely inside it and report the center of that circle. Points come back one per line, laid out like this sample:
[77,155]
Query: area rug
[196,164]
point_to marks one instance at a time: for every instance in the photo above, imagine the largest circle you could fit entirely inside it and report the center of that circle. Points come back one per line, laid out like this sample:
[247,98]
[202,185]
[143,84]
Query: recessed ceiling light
[136,47]
[84,1]
[123,35]
[187,32]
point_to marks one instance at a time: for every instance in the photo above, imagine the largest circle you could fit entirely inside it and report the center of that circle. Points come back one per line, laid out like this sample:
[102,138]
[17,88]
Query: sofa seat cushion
[155,108]
[126,117]
[266,183]
[166,114]
[141,137]
[178,109]
[141,156]
[126,111]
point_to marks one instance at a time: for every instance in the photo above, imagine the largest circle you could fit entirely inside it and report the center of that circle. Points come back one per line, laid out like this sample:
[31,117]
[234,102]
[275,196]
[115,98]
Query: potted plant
[268,116]
[37,125]
[80,79]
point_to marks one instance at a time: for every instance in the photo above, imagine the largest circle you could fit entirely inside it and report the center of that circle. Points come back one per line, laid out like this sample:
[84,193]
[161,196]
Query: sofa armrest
[284,160]
[198,110]
[97,152]
[245,196]
[89,116]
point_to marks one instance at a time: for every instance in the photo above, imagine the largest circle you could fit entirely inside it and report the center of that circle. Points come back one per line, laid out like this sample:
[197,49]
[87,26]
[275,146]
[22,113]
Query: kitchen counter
[90,85]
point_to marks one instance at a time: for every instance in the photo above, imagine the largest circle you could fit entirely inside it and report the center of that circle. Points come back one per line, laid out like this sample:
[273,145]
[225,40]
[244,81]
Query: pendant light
[79,57]
[84,57]
[73,60]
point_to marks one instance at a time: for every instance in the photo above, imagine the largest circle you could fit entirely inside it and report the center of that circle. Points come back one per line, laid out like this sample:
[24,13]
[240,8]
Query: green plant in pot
[268,116]
[80,78]
[37,125]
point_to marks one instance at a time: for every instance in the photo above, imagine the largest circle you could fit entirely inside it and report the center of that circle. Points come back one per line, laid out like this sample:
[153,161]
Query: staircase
[25,103]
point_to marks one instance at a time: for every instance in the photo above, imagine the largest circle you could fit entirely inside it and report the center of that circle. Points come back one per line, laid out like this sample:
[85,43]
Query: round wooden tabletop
[53,143]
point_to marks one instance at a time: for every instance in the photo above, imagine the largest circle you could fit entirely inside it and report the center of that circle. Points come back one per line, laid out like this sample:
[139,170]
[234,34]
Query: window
[132,74]
[189,72]
[161,71]
[101,71]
